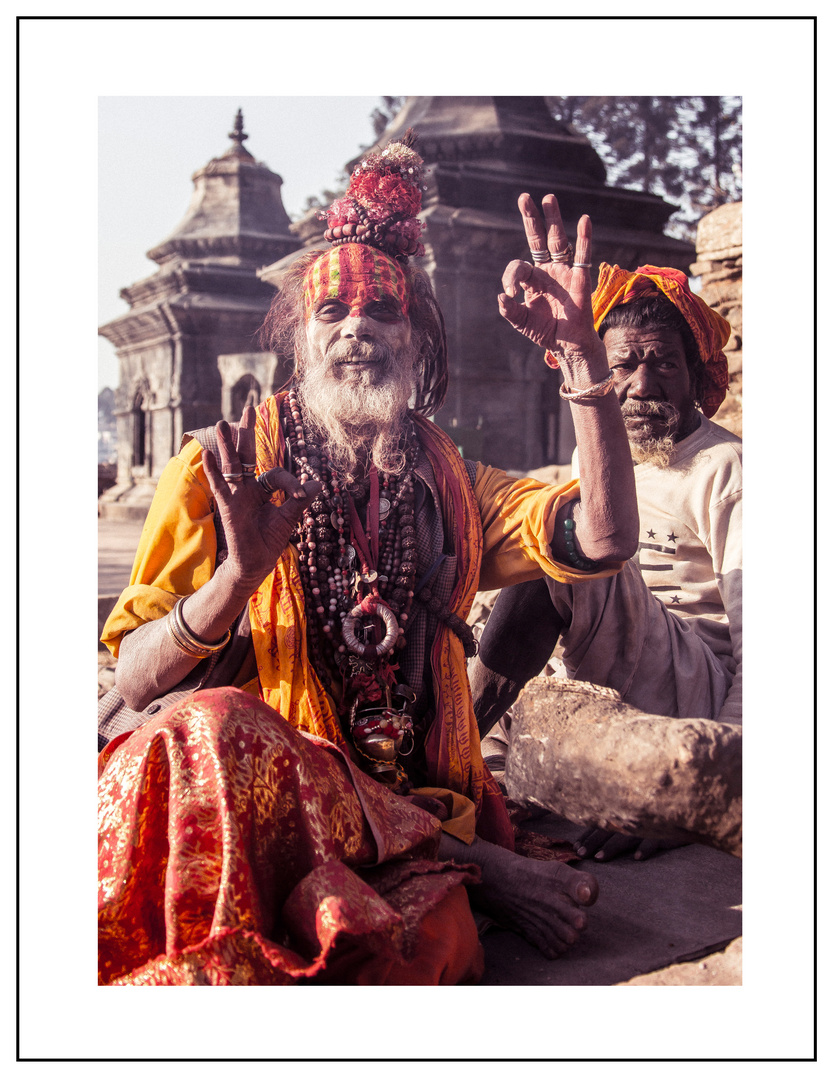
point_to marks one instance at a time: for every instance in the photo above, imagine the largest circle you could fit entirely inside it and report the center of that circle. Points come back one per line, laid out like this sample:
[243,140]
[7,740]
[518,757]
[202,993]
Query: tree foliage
[384,114]
[686,149]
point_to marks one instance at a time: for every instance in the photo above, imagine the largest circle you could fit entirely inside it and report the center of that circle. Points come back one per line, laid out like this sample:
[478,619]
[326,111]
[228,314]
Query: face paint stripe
[355,274]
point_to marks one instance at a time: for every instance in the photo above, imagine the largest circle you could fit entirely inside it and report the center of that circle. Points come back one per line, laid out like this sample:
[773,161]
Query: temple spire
[238,137]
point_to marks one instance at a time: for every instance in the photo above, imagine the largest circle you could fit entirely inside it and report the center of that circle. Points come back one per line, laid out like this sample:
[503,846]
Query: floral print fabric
[234,850]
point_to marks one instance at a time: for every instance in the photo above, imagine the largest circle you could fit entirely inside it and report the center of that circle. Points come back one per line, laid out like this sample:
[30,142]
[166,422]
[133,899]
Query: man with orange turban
[291,785]
[667,631]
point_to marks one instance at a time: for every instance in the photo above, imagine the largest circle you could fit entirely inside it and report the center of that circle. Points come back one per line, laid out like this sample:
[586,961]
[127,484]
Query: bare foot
[540,900]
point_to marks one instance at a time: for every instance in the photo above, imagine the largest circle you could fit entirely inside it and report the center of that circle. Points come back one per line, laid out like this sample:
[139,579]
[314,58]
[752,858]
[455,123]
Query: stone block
[719,231]
[580,751]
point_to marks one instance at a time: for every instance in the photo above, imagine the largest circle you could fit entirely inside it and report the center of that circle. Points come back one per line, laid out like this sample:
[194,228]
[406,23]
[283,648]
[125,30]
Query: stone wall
[718,248]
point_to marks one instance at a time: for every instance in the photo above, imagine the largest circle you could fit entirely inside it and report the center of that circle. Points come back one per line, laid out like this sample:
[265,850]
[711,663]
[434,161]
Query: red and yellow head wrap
[354,274]
[710,330]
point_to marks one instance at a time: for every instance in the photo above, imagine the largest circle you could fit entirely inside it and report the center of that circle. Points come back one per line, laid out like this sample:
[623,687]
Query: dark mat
[679,905]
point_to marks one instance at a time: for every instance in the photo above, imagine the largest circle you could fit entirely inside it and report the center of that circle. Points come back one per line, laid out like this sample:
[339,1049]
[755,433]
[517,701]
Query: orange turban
[710,330]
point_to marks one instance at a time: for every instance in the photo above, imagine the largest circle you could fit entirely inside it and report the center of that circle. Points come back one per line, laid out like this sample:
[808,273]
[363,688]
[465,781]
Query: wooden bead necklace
[356,612]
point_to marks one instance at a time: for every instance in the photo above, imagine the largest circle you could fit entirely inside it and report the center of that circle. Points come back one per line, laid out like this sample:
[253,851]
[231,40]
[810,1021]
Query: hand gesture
[556,308]
[257,529]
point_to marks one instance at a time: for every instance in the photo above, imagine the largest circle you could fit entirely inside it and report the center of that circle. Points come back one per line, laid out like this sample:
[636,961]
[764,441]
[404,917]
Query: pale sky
[149,148]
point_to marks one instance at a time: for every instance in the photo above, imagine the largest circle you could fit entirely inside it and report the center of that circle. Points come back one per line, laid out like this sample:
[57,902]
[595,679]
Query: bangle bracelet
[180,644]
[597,390]
[574,558]
[185,640]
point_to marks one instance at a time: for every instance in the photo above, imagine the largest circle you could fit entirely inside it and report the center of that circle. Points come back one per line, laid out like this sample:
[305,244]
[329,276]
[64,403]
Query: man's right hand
[257,533]
[257,528]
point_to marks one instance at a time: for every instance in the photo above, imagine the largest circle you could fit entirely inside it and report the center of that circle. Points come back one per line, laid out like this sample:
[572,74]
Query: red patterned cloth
[234,850]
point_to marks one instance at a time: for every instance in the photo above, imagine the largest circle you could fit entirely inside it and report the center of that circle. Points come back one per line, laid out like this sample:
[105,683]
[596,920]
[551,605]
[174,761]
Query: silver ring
[563,256]
[248,470]
[582,266]
[540,256]
[234,477]
[265,484]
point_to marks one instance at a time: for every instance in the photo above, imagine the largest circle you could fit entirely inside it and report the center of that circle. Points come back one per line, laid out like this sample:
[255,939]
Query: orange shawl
[290,685]
[710,330]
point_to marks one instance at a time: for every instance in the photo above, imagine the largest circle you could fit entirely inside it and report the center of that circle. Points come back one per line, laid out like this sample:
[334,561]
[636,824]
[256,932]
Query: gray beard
[360,418]
[652,441]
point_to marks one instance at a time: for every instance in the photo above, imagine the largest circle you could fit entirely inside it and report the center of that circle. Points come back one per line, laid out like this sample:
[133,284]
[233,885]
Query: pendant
[347,558]
[384,509]
[351,621]
[378,732]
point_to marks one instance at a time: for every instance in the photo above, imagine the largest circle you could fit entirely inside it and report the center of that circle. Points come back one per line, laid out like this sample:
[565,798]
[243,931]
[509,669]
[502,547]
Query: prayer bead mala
[328,560]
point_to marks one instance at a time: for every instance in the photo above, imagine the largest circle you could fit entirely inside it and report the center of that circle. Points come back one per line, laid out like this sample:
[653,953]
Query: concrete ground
[674,920]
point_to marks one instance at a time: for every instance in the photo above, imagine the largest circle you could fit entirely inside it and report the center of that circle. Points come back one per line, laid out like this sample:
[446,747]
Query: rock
[106,672]
[719,265]
[482,607]
[718,969]
[580,751]
[720,230]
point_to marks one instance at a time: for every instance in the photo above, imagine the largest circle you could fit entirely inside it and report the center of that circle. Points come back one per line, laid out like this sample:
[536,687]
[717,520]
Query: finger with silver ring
[266,483]
[557,238]
[565,256]
[533,227]
[247,454]
[540,256]
[583,244]
[230,467]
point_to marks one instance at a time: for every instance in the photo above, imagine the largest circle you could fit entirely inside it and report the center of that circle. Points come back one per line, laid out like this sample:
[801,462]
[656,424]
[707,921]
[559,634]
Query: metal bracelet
[597,390]
[185,640]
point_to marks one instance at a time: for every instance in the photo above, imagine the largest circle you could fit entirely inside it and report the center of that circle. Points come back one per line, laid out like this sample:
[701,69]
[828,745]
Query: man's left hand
[603,846]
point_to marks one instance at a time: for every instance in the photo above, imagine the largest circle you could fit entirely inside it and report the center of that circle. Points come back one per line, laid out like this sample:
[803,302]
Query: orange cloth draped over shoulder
[289,683]
[710,330]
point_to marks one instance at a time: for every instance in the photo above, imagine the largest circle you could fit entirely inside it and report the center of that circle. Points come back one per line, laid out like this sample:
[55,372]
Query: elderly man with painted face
[322,812]
[667,631]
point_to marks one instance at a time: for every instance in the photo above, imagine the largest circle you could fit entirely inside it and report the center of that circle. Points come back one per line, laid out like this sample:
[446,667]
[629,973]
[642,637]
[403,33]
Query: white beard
[359,414]
[652,442]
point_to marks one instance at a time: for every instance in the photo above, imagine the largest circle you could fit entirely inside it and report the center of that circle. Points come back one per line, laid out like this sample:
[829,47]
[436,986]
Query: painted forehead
[355,274]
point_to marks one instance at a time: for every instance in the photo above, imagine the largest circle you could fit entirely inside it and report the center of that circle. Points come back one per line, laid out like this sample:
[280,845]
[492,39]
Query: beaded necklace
[358,583]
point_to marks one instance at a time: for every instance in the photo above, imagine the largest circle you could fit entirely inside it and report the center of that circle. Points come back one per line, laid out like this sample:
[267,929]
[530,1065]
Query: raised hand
[257,528]
[555,310]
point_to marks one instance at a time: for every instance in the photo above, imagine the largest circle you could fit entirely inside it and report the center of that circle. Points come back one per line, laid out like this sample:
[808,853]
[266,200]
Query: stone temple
[187,346]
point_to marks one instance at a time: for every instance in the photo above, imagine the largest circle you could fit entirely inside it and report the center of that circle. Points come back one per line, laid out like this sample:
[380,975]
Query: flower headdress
[383,199]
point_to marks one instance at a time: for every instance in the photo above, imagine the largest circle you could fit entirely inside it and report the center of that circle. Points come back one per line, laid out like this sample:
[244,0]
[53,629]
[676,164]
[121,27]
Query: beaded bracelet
[574,558]
[597,390]
[186,641]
